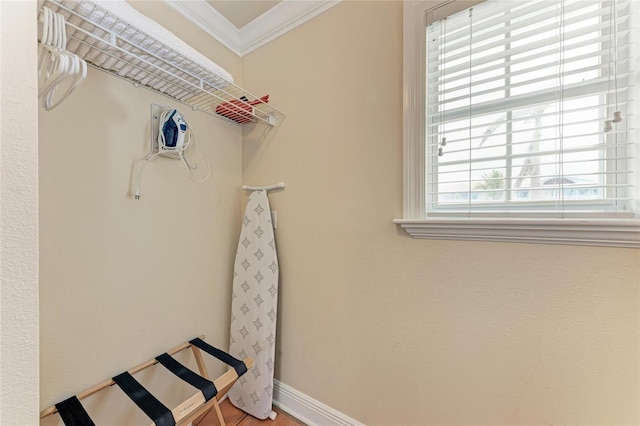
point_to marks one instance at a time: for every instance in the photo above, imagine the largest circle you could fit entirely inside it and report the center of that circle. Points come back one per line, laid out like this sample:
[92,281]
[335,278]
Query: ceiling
[244,25]
[240,13]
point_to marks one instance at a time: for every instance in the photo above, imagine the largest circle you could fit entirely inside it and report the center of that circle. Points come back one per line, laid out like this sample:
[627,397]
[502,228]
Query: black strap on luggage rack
[237,364]
[73,413]
[207,387]
[148,403]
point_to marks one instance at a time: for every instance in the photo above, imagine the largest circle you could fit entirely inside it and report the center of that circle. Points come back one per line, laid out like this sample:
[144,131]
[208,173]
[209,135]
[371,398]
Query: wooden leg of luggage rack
[216,407]
[223,383]
[204,373]
[200,361]
[199,414]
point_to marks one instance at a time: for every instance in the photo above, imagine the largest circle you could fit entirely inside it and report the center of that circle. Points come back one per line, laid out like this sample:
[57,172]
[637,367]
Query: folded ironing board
[254,307]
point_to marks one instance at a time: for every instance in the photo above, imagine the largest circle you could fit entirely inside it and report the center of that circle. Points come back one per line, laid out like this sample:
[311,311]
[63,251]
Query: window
[528,126]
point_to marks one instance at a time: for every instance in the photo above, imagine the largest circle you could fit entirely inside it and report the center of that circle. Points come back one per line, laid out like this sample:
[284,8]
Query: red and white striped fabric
[240,110]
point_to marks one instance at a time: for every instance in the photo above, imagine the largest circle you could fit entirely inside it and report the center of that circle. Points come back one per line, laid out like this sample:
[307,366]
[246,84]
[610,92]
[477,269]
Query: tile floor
[234,417]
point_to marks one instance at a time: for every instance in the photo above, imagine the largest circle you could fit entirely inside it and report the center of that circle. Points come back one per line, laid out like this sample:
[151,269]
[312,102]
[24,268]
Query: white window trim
[590,232]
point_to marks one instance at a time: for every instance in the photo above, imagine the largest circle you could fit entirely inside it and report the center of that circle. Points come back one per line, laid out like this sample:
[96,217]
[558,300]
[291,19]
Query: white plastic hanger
[56,65]
[72,65]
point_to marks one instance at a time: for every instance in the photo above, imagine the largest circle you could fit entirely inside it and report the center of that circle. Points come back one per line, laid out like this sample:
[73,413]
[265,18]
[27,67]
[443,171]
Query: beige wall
[18,216]
[124,280]
[391,330]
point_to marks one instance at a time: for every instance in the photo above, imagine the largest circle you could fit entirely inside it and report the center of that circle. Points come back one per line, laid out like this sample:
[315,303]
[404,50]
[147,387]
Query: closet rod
[279,185]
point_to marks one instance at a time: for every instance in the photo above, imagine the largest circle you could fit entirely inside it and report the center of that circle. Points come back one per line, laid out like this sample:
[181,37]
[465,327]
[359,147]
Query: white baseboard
[308,410]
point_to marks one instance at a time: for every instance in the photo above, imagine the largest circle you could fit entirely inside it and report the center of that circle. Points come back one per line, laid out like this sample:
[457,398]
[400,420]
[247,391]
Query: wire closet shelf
[109,43]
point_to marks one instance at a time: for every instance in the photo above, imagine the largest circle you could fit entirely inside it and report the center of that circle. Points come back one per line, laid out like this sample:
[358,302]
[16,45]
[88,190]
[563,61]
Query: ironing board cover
[254,308]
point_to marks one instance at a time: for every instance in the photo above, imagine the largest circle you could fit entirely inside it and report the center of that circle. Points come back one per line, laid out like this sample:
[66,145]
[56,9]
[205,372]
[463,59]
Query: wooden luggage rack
[192,410]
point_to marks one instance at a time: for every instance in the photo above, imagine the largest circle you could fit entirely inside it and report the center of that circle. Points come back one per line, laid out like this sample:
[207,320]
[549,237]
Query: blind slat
[511,178]
[452,150]
[435,57]
[461,44]
[488,14]
[435,122]
[553,78]
[539,188]
[463,82]
[589,148]
[486,136]
[543,96]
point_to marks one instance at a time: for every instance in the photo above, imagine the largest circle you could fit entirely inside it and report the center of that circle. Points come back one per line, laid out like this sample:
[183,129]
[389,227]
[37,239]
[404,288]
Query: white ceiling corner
[285,16]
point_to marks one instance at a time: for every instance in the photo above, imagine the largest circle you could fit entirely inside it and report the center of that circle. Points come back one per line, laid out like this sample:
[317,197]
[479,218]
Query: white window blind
[524,101]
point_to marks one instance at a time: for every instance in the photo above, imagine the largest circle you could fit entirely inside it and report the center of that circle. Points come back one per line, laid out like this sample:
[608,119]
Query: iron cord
[173,138]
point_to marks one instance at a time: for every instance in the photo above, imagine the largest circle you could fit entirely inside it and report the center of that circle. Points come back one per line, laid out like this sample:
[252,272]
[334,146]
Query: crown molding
[285,16]
[211,21]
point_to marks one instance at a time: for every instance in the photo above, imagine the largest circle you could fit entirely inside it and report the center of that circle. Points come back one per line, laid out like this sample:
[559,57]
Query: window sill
[593,232]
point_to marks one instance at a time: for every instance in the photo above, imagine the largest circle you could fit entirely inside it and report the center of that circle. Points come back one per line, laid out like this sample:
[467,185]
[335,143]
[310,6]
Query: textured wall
[124,280]
[18,216]
[391,330]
